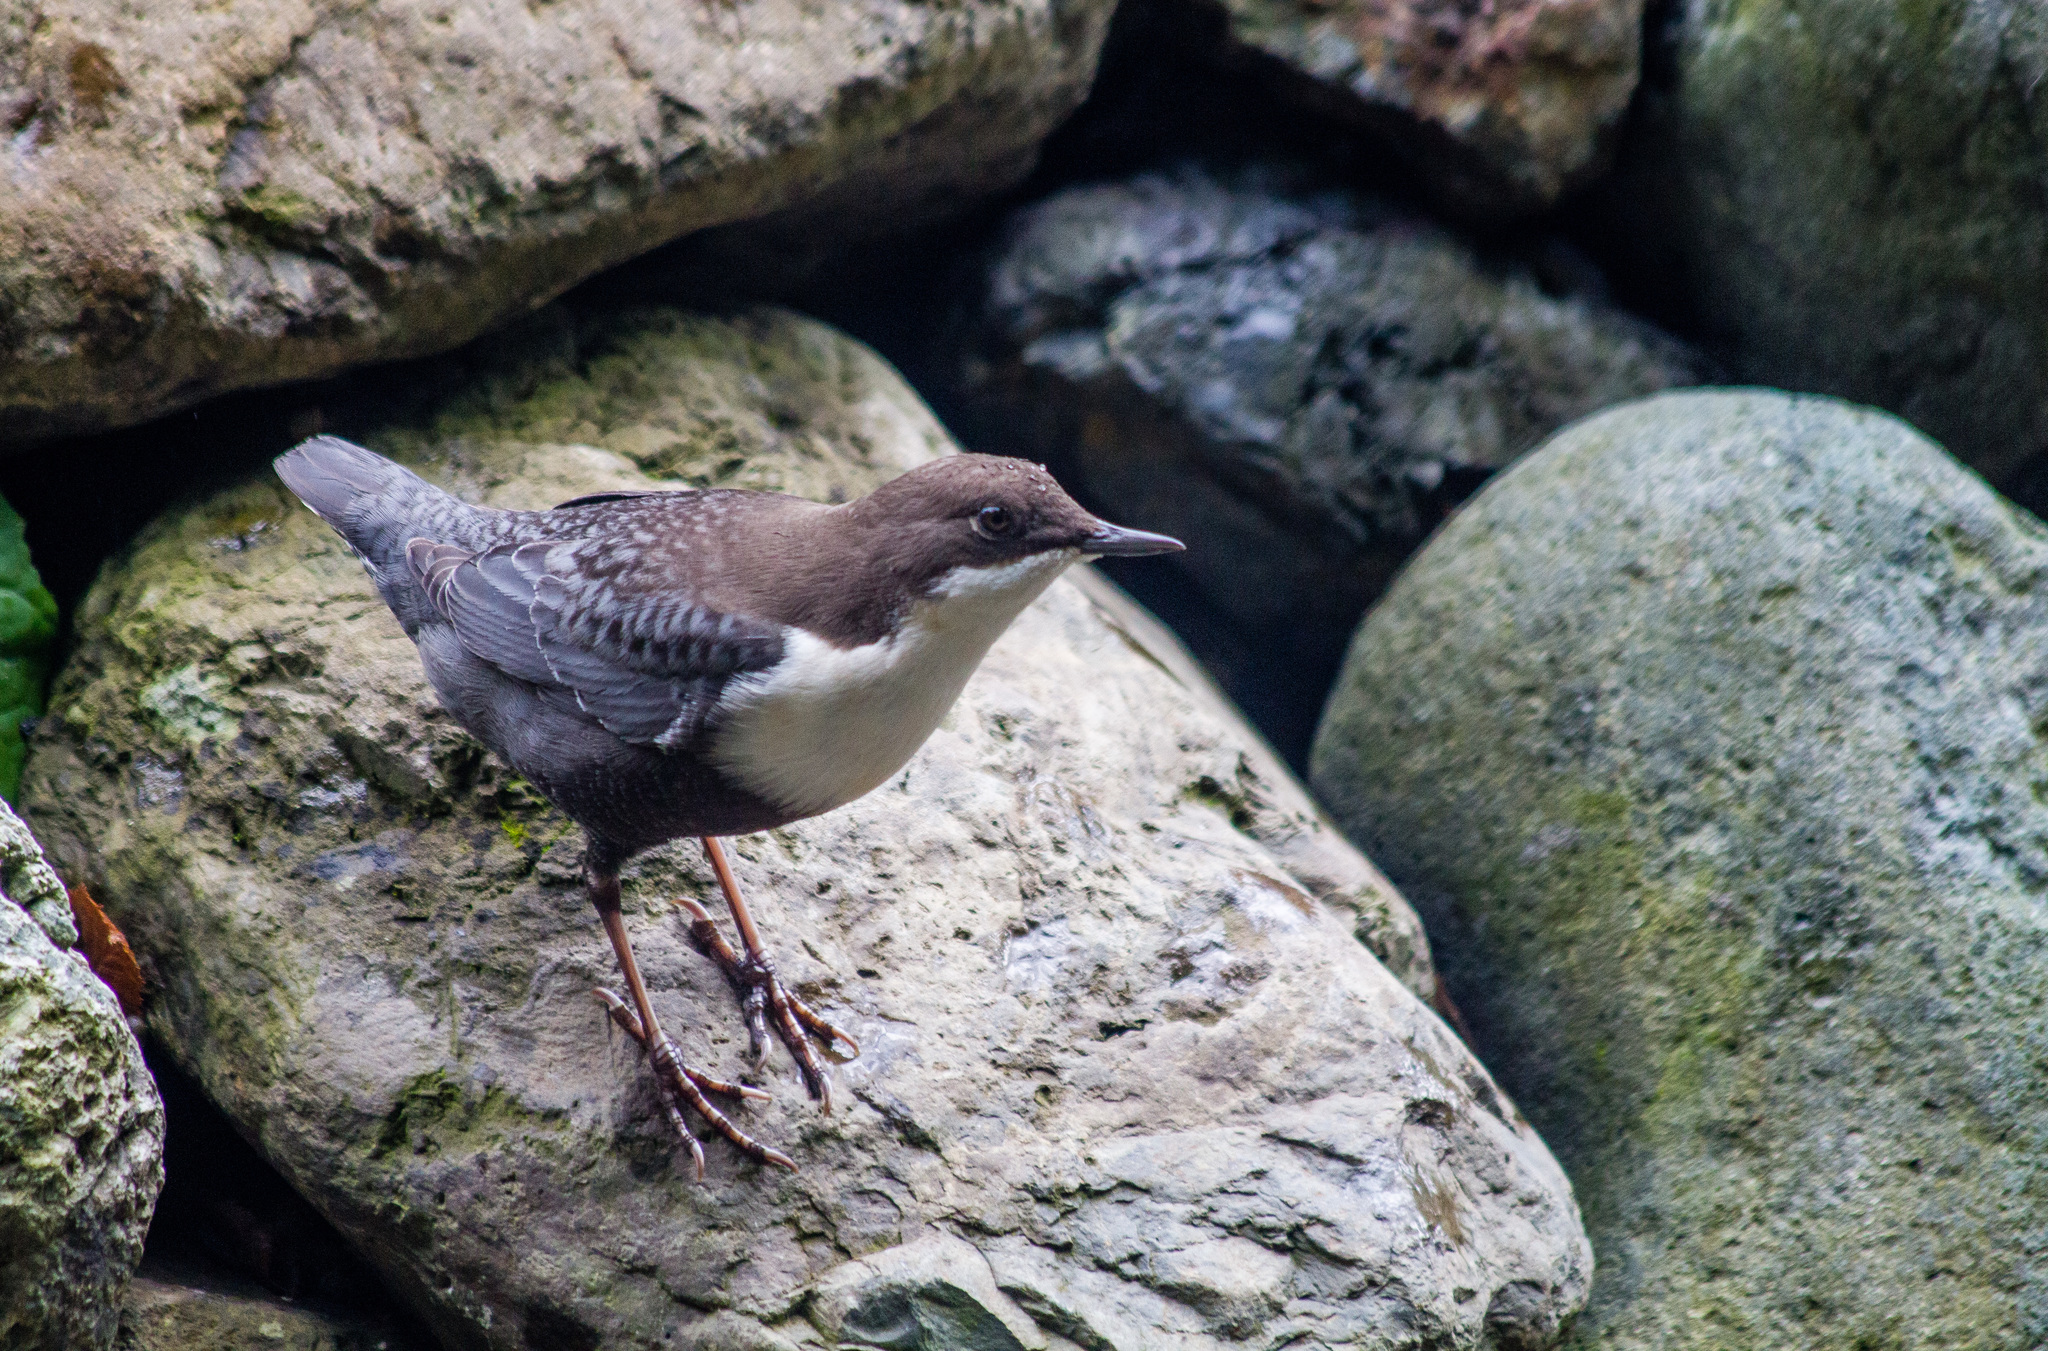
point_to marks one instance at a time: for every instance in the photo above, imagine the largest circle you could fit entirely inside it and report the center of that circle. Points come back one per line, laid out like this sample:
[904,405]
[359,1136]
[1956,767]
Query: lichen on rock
[81,1127]
[1127,1078]
[1708,738]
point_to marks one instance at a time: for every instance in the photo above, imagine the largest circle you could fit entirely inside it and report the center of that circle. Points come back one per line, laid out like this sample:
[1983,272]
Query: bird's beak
[1117,542]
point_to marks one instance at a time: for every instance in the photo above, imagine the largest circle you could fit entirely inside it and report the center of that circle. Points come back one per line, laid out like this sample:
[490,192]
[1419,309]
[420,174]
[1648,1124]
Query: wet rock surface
[1709,741]
[1128,1079]
[1847,197]
[1304,382]
[1500,107]
[206,199]
[81,1129]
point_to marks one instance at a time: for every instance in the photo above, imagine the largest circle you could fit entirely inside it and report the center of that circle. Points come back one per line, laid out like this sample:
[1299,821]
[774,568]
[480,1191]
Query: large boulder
[1500,107]
[81,1128]
[1301,382]
[1709,740]
[206,198]
[1128,1080]
[1847,194]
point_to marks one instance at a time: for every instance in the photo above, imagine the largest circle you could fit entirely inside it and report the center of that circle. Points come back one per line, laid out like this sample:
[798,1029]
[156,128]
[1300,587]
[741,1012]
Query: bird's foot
[766,1004]
[680,1085]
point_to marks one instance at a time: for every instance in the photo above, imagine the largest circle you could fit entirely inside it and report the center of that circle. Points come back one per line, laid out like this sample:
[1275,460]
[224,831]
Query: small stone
[170,1308]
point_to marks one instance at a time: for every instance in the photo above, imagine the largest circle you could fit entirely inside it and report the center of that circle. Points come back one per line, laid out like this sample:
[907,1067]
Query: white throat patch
[828,724]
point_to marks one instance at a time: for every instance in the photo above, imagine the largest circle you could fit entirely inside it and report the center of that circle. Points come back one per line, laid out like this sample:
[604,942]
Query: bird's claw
[680,1085]
[765,1003]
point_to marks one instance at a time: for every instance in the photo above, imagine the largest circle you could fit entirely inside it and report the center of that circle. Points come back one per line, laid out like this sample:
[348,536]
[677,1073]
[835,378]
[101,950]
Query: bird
[707,662]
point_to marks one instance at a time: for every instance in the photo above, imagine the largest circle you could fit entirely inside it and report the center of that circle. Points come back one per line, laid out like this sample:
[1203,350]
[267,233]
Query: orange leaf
[106,950]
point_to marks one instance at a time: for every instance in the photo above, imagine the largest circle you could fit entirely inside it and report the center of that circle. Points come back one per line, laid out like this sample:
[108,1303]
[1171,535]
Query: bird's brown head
[984,511]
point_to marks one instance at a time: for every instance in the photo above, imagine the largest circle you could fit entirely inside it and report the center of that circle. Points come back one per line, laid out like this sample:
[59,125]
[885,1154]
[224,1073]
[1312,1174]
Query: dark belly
[634,798]
[627,797]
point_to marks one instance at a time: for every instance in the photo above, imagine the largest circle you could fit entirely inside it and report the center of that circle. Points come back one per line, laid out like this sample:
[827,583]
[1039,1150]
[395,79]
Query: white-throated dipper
[706,662]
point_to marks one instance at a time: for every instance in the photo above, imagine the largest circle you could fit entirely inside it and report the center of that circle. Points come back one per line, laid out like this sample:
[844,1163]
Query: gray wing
[647,664]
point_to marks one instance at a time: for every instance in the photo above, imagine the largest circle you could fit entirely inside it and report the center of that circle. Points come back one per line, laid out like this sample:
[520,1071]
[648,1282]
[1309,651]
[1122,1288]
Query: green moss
[272,209]
[1229,801]
[765,400]
[435,1114]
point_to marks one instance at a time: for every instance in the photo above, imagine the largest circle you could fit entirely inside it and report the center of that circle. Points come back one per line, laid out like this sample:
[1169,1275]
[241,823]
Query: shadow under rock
[83,500]
[228,1223]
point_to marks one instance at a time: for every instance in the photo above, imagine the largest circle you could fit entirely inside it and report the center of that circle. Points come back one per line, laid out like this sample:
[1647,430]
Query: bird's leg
[678,1083]
[753,979]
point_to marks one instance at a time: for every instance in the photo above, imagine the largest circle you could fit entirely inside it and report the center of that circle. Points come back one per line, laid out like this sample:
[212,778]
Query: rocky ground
[1651,960]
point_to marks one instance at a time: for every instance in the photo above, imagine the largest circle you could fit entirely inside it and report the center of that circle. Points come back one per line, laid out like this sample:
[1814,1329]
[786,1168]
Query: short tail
[378,507]
[333,477]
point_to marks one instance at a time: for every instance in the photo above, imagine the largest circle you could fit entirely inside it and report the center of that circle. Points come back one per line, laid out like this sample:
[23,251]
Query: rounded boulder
[1709,741]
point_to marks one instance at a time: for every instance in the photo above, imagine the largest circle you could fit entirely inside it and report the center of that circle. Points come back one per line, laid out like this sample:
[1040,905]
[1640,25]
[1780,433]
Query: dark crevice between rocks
[228,1224]
[76,522]
[1641,256]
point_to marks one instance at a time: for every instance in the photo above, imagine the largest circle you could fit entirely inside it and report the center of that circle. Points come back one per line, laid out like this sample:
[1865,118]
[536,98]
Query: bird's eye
[995,522]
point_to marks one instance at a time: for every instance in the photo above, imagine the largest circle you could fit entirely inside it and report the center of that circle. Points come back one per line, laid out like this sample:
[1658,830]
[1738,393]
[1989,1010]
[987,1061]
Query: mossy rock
[1848,194]
[81,1126]
[1128,1078]
[1708,739]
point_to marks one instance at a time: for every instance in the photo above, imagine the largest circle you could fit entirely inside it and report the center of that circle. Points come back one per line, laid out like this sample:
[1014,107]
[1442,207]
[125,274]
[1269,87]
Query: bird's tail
[378,507]
[332,476]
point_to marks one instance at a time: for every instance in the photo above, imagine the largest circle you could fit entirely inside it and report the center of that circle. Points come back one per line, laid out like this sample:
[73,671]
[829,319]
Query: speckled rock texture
[1850,194]
[1128,1081]
[1303,383]
[81,1128]
[1709,740]
[1501,107]
[204,198]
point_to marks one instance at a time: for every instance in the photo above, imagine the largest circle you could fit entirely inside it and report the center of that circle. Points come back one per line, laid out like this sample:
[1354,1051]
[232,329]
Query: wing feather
[648,665]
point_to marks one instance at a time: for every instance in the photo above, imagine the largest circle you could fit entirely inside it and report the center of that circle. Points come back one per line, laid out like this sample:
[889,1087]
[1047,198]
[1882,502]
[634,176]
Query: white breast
[828,724]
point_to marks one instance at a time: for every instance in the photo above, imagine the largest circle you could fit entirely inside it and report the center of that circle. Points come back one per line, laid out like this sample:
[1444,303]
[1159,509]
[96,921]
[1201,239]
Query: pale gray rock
[1709,738]
[1501,107]
[81,1128]
[200,199]
[1848,195]
[1301,383]
[1128,1079]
